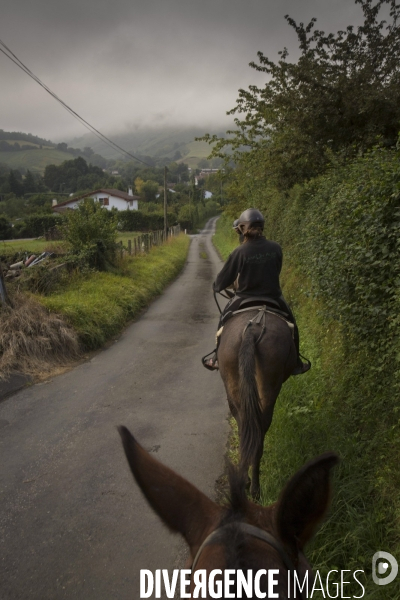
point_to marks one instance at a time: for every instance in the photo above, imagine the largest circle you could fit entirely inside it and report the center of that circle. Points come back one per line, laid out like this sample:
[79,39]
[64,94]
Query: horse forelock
[239,509]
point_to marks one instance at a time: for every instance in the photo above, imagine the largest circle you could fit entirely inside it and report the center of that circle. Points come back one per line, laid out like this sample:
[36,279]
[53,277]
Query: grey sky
[123,63]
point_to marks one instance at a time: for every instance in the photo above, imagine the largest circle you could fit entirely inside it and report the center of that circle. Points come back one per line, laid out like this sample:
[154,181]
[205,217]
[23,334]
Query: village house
[108,198]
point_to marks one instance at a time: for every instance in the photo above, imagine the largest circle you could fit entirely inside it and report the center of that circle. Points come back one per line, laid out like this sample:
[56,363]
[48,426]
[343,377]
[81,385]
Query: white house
[108,198]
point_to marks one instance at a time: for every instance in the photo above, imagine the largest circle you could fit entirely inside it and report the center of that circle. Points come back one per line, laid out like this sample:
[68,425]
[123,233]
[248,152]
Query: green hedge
[340,237]
[136,220]
[340,234]
[35,226]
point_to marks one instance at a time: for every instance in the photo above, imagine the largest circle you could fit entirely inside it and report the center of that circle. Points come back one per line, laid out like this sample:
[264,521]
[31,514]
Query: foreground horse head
[254,363]
[243,535]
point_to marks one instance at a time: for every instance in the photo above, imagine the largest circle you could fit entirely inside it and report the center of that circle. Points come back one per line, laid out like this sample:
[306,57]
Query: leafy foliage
[136,220]
[73,175]
[91,232]
[341,94]
[347,402]
[5,229]
[37,225]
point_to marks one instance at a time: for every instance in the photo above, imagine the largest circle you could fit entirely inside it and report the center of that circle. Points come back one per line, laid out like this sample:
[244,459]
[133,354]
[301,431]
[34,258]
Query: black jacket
[258,264]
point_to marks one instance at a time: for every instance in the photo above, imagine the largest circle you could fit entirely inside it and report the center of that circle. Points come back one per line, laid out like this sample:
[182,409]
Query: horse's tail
[251,435]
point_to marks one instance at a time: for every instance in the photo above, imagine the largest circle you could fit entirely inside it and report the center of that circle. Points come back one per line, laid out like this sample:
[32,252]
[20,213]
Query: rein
[253,531]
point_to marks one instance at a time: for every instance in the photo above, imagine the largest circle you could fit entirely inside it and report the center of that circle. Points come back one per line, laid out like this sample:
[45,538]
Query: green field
[195,152]
[34,160]
[40,245]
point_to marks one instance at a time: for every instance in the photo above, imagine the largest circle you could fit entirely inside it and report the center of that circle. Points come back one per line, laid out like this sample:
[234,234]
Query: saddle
[271,304]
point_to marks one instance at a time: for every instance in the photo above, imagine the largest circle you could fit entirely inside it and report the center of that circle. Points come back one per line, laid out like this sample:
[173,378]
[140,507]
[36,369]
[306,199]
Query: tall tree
[29,183]
[339,97]
[15,183]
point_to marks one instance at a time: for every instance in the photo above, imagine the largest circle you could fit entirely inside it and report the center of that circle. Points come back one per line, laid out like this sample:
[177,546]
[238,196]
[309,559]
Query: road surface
[73,524]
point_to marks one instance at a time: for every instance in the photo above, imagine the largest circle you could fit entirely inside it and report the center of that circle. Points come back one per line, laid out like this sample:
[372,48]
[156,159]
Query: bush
[5,229]
[91,232]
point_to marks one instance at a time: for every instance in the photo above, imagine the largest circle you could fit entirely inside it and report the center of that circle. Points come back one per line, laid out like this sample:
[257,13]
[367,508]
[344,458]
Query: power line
[7,52]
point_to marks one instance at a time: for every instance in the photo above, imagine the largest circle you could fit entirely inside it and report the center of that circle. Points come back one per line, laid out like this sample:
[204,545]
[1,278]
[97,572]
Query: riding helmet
[235,224]
[251,215]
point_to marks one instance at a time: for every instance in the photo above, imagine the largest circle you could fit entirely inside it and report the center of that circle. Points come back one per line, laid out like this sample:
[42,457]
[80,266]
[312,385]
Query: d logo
[382,568]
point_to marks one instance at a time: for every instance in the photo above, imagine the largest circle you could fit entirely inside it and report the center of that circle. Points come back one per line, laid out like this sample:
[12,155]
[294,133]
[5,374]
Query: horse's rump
[254,363]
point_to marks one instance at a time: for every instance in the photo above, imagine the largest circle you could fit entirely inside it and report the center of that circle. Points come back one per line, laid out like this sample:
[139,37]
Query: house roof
[112,192]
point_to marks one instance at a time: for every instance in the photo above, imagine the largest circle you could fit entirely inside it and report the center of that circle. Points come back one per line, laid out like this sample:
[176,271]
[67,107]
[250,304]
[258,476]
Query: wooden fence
[143,243]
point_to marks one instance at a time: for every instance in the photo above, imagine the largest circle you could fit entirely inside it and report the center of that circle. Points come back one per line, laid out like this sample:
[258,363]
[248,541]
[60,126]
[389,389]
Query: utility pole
[165,203]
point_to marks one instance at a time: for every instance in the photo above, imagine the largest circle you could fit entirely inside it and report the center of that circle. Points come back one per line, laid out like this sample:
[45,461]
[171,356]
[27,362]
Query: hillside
[34,160]
[24,138]
[154,142]
[24,151]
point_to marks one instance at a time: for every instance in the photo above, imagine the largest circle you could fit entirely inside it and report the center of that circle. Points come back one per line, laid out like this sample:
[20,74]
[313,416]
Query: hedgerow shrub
[340,238]
[136,220]
[37,225]
[91,232]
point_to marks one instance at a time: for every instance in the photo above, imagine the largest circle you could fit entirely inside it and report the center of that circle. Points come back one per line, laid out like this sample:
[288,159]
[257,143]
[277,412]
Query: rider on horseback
[253,269]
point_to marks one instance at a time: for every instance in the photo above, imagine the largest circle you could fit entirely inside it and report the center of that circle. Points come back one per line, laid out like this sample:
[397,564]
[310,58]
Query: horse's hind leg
[233,409]
[268,411]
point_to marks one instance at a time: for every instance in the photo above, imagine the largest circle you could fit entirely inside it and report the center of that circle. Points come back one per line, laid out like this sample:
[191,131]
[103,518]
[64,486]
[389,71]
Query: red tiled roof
[117,193]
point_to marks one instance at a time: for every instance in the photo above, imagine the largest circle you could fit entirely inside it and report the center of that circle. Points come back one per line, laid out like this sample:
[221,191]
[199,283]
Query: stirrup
[207,366]
[303,368]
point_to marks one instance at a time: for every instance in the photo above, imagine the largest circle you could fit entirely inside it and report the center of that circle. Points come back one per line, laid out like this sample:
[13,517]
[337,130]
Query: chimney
[130,193]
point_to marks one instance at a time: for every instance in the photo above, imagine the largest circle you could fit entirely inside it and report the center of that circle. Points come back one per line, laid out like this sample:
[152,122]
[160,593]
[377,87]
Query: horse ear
[180,505]
[304,501]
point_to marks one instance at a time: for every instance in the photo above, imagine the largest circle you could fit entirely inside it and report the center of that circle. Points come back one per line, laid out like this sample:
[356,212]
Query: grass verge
[99,305]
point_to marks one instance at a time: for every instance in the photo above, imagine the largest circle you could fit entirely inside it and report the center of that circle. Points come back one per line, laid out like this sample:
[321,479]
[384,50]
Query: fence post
[4,298]
[129,247]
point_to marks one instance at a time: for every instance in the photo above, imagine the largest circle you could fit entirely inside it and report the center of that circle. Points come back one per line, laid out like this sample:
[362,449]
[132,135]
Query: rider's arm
[228,274]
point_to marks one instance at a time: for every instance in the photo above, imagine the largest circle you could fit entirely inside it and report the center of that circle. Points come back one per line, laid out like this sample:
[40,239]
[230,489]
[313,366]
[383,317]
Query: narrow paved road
[72,522]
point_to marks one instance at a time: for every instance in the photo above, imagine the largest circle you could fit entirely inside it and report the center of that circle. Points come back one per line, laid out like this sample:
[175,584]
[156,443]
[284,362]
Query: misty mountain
[155,142]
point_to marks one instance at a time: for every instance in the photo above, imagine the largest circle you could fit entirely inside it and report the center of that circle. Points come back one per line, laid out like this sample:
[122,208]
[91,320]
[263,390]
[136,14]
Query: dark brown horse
[242,535]
[254,362]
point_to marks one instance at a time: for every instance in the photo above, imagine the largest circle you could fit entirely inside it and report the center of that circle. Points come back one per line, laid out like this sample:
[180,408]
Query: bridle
[255,532]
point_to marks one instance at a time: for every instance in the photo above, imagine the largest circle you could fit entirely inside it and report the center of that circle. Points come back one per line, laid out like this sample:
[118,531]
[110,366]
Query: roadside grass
[98,306]
[339,405]
[334,407]
[225,239]
[33,341]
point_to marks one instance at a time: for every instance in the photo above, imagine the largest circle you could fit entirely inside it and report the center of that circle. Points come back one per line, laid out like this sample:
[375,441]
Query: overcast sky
[123,63]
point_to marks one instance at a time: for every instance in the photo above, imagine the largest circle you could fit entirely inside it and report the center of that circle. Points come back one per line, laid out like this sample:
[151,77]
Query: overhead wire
[7,52]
